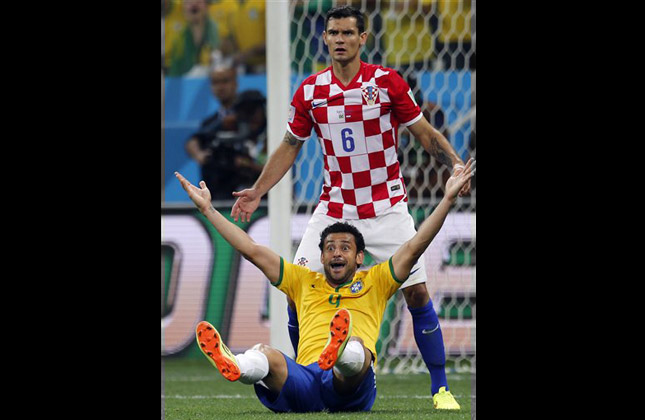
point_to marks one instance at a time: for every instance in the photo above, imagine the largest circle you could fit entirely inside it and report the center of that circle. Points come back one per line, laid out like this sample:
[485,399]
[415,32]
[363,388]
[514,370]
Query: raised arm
[406,256]
[438,146]
[278,164]
[262,257]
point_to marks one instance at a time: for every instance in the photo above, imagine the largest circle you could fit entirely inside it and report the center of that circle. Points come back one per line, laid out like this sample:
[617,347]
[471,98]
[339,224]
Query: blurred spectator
[249,36]
[230,146]
[191,52]
[408,35]
[172,25]
[423,175]
[223,13]
[454,44]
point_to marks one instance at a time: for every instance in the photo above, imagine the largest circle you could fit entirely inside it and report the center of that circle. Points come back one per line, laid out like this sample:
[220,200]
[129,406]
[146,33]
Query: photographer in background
[230,146]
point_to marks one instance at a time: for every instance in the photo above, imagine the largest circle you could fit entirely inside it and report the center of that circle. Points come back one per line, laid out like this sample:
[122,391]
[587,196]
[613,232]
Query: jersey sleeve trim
[281,273]
[295,135]
[392,272]
[413,120]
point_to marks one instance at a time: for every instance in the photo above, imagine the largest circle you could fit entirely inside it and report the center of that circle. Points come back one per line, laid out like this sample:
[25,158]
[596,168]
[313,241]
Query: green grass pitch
[193,389]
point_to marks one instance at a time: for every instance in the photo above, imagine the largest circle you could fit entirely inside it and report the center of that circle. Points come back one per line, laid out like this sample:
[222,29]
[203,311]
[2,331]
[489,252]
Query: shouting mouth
[337,266]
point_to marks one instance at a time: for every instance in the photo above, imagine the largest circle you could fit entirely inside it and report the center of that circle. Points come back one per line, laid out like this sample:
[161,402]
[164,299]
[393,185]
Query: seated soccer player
[340,313]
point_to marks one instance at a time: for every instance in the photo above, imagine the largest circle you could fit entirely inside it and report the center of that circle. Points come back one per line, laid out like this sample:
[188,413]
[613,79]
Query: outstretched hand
[456,182]
[247,202]
[465,190]
[200,196]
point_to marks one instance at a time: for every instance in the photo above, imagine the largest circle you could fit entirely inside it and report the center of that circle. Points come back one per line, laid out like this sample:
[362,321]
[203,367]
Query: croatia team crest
[370,93]
[356,287]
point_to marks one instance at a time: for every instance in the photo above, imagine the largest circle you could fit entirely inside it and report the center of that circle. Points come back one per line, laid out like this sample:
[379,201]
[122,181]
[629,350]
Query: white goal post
[279,201]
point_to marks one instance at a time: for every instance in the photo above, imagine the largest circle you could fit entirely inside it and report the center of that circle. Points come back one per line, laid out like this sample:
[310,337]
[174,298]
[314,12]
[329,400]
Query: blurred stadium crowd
[418,34]
[410,36]
[198,34]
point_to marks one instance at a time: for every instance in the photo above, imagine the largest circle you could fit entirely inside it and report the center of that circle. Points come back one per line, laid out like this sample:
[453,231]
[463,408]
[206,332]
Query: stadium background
[203,278]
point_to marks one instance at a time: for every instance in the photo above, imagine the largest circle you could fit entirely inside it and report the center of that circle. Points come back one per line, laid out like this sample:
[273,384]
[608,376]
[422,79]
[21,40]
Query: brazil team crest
[370,93]
[356,287]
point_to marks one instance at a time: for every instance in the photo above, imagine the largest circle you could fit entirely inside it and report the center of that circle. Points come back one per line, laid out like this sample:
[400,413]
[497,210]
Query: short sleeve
[385,279]
[404,106]
[300,123]
[290,279]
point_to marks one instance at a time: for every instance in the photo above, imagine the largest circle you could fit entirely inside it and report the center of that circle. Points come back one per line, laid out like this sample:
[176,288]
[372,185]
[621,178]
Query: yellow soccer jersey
[250,28]
[317,302]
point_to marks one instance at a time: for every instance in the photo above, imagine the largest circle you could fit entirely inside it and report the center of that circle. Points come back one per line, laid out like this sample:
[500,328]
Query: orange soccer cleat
[340,329]
[210,343]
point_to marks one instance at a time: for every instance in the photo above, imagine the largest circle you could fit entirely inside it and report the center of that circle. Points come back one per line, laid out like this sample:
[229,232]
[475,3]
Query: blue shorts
[309,388]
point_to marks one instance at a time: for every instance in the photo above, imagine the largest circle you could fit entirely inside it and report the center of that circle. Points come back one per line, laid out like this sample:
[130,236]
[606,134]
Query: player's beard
[343,277]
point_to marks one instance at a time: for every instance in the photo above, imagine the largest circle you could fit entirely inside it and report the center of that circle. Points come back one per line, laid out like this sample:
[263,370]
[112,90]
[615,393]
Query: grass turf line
[193,389]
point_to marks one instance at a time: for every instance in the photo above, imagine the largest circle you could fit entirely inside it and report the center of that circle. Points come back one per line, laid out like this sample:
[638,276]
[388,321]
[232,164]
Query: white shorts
[383,236]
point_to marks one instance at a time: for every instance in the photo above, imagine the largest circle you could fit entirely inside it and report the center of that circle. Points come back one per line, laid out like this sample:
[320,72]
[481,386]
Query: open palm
[200,196]
[247,202]
[456,182]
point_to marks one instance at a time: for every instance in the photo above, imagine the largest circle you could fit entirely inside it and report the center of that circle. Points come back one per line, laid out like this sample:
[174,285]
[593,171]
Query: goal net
[432,44]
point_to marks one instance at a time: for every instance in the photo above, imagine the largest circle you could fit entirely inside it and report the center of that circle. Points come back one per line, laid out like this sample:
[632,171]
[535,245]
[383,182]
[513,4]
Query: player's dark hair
[345,12]
[339,227]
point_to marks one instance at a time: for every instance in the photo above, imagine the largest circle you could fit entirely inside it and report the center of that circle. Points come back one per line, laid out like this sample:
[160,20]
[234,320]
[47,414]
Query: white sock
[351,361]
[254,366]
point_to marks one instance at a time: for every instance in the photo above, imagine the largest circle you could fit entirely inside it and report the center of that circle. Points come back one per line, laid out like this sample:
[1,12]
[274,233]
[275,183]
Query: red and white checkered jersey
[357,126]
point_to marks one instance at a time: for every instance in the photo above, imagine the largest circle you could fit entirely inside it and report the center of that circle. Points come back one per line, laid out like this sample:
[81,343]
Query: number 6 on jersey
[348,141]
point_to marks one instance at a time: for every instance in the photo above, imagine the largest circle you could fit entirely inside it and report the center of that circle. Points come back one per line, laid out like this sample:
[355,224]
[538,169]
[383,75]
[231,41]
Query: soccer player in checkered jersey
[356,109]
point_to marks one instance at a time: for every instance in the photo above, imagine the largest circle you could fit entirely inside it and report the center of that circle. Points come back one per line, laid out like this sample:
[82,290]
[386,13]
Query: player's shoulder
[378,269]
[299,269]
[379,72]
[315,77]
[293,274]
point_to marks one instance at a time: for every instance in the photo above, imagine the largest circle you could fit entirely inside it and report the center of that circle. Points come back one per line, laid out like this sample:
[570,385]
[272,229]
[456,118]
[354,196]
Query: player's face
[343,39]
[340,258]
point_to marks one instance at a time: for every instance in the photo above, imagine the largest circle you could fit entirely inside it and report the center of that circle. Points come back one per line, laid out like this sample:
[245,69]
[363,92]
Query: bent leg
[278,371]
[352,366]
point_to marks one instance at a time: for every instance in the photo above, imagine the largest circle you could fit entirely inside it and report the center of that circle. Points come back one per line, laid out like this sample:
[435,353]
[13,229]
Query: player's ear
[324,37]
[360,256]
[363,38]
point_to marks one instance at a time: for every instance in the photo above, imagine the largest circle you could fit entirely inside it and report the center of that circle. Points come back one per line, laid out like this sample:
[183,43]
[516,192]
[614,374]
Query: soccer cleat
[210,343]
[340,329]
[443,400]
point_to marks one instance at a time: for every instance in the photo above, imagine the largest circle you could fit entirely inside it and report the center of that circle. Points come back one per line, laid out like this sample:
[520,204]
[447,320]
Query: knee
[268,351]
[277,367]
[275,357]
[356,338]
[263,348]
[416,295]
